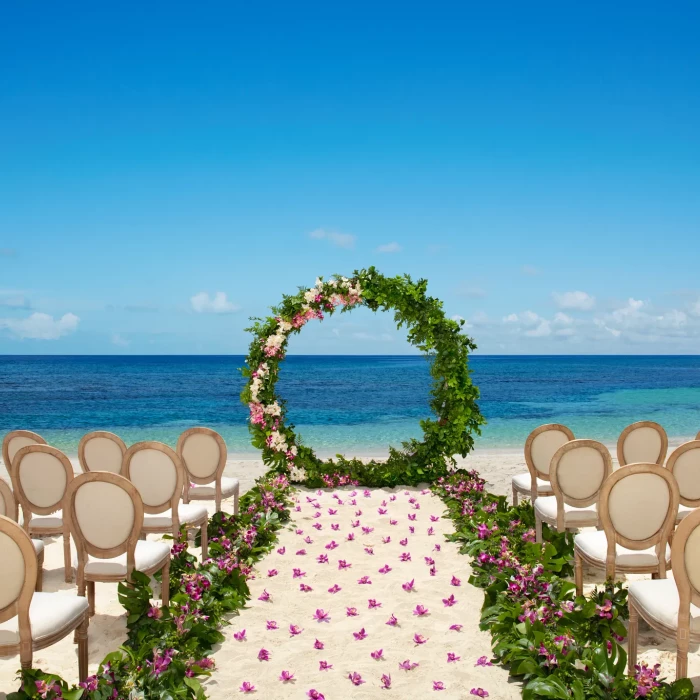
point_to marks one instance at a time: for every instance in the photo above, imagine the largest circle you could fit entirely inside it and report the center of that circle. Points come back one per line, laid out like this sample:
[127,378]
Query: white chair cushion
[147,556]
[48,613]
[523,482]
[594,546]
[38,547]
[187,512]
[229,486]
[546,508]
[683,511]
[659,600]
[46,522]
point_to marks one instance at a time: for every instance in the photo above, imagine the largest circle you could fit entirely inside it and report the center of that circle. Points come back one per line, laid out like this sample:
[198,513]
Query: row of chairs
[107,512]
[635,510]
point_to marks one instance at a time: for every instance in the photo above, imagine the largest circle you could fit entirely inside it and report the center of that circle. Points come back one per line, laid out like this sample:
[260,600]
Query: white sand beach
[237,661]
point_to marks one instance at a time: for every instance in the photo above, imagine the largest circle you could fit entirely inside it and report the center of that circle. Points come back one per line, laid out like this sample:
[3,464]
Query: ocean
[355,405]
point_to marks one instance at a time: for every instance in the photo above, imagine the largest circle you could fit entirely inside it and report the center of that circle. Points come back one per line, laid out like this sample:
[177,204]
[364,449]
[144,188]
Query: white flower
[298,473]
[285,326]
[293,450]
[278,442]
[332,283]
[273,409]
[310,295]
[344,279]
[263,370]
[319,283]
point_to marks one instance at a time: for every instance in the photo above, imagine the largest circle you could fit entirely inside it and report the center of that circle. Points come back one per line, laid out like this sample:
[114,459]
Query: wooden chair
[8,508]
[644,442]
[157,472]
[684,464]
[638,505]
[105,516]
[40,476]
[101,451]
[32,621]
[16,439]
[671,606]
[577,473]
[540,446]
[203,454]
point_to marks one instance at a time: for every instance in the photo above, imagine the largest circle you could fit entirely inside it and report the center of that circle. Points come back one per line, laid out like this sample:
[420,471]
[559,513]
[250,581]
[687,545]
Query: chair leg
[67,564]
[40,573]
[515,497]
[538,528]
[578,572]
[91,596]
[204,535]
[632,633]
[165,583]
[81,637]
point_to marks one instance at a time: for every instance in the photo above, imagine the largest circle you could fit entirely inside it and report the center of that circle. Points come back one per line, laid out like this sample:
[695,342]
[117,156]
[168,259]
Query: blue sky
[170,169]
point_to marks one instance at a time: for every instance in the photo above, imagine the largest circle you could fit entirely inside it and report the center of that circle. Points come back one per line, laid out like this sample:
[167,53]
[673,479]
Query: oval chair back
[577,473]
[540,446]
[684,464]
[643,442]
[638,508]
[101,451]
[8,504]
[14,441]
[19,572]
[157,473]
[203,455]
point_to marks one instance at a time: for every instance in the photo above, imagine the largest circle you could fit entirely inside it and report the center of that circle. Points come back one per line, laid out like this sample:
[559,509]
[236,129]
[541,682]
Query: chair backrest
[638,507]
[105,516]
[577,473]
[685,555]
[101,451]
[8,504]
[19,572]
[684,464]
[540,446]
[643,442]
[157,472]
[203,455]
[16,439]
[40,476]
[697,437]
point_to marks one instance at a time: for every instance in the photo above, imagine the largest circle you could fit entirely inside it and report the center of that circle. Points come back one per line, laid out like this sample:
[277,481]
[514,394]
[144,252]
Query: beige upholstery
[544,446]
[38,547]
[48,613]
[154,474]
[147,556]
[46,522]
[201,454]
[231,486]
[105,514]
[692,559]
[638,505]
[12,570]
[581,473]
[187,513]
[546,508]
[103,454]
[594,546]
[14,444]
[642,445]
[659,601]
[43,478]
[687,473]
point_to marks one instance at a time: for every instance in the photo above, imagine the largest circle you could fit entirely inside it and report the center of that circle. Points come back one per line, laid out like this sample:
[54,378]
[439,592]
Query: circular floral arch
[453,396]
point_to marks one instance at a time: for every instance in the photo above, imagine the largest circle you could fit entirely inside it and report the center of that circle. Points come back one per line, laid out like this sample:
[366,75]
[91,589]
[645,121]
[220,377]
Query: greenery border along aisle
[453,401]
[562,646]
[166,651]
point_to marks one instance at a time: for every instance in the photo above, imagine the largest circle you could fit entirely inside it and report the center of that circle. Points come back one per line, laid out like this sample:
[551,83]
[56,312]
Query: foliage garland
[453,401]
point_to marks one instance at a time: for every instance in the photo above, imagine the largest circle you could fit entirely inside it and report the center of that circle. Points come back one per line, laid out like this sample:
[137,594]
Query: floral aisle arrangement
[562,646]
[166,651]
[453,402]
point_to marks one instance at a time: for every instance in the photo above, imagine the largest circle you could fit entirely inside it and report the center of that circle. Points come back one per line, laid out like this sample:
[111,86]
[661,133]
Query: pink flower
[271,625]
[369,550]
[359,636]
[286,676]
[392,621]
[358,513]
[434,518]
[407,665]
[317,526]
[482,661]
[155,613]
[403,542]
[367,530]
[321,615]
[300,532]
[298,573]
[405,556]
[373,604]
[365,580]
[376,655]
[239,636]
[385,569]
[247,687]
[355,678]
[351,612]
[315,694]
[265,596]
[409,585]
[411,516]
[294,630]
[322,558]
[324,666]
[420,610]
[304,588]
[449,602]
[386,540]
[393,522]
[456,628]
[263,655]
[419,639]
[335,526]
[350,537]
[432,570]
[386,682]
[438,685]
[381,511]
[342,564]
[479,692]
[431,531]
[272,572]
[429,561]
[318,644]
[455,581]
[334,588]
[332,545]
[281,550]
[308,540]
[332,511]
[437,548]
[355,523]
[411,529]
[452,657]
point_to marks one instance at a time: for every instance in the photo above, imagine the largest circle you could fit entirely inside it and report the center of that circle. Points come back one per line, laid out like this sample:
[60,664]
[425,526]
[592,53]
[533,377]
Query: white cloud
[342,240]
[530,270]
[526,318]
[510,318]
[40,326]
[393,247]
[542,330]
[574,300]
[562,319]
[460,319]
[12,299]
[202,303]
[119,340]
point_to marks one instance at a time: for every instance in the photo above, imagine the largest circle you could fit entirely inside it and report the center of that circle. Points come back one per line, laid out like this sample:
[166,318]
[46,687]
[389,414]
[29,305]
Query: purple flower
[155,613]
[334,588]
[342,564]
[314,694]
[239,636]
[438,685]
[449,602]
[385,569]
[247,687]
[456,628]
[359,636]
[434,518]
[265,596]
[393,522]
[407,665]
[281,550]
[321,615]
[332,545]
[324,666]
[286,676]
[419,639]
[304,588]
[369,550]
[403,542]
[420,611]
[294,630]
[318,644]
[392,621]
[381,511]
[263,655]
[455,581]
[409,585]
[483,661]
[376,655]
[452,657]
[350,537]
[479,692]
[405,556]
[351,612]
[271,625]
[322,558]
[386,540]
[355,678]
[364,580]
[372,603]
[298,573]
[272,572]
[386,681]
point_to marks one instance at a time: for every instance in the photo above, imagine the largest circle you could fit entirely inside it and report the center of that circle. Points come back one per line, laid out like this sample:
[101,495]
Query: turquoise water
[353,405]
